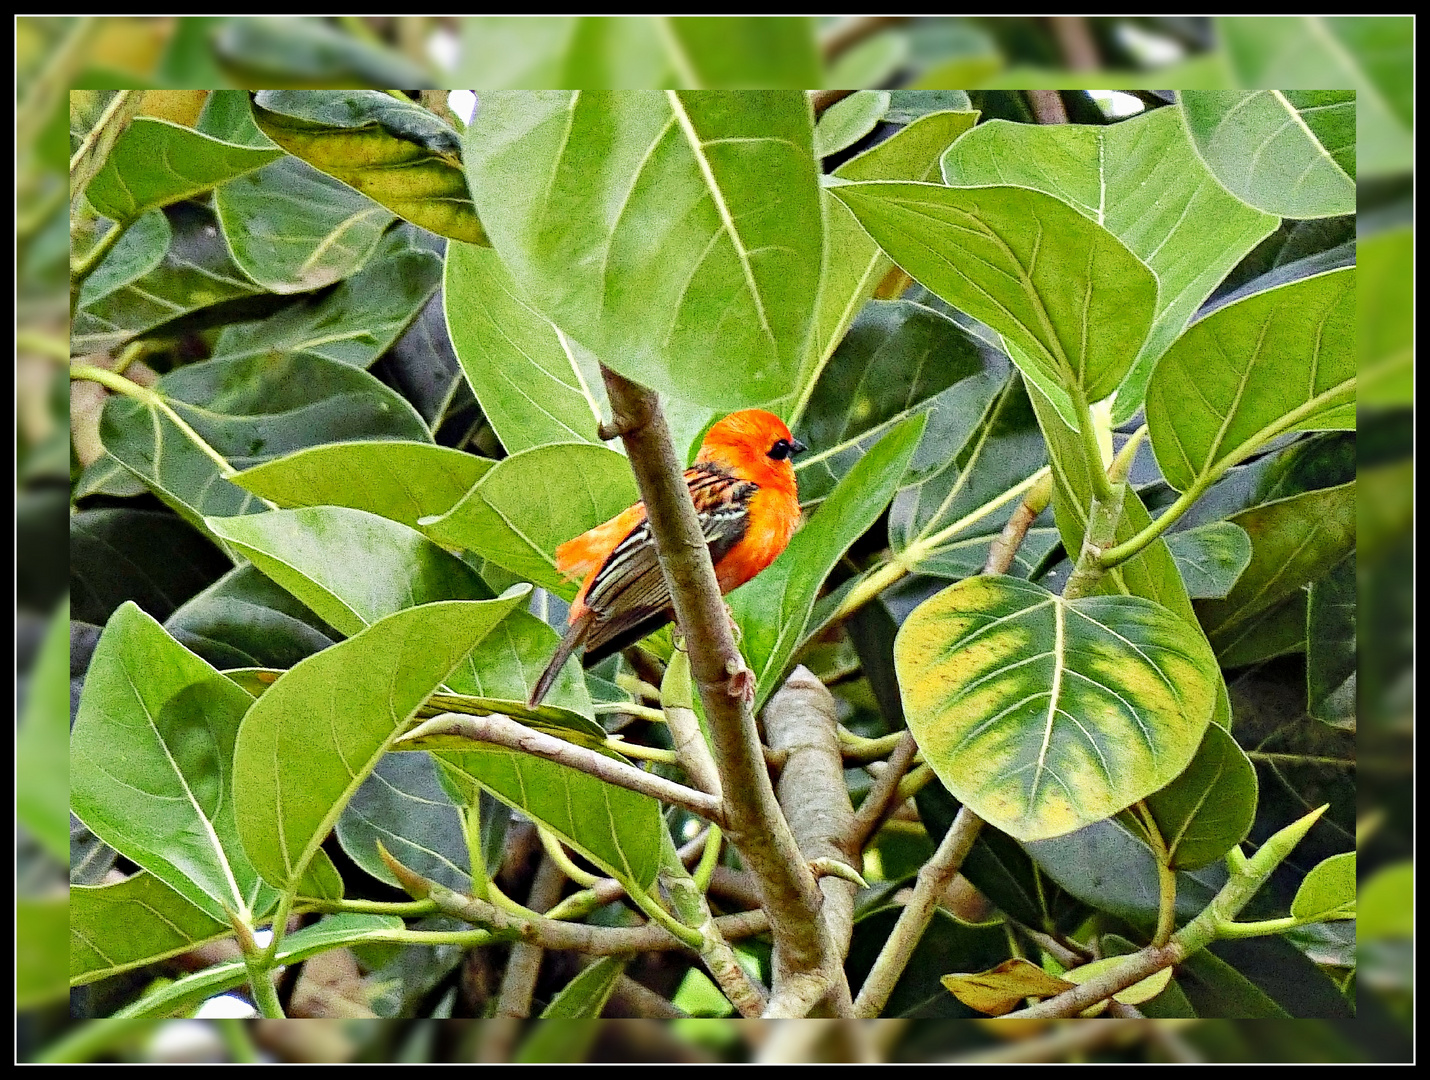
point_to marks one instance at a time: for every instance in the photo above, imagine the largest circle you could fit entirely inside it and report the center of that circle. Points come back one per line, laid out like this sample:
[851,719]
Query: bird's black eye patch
[786,448]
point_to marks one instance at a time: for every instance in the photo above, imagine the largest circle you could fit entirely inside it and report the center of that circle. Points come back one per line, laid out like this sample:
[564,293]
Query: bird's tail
[575,635]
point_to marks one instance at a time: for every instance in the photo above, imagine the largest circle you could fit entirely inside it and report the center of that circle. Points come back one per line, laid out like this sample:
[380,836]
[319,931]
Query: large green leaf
[533,501]
[504,668]
[195,272]
[351,567]
[1142,180]
[1372,55]
[277,49]
[1385,276]
[393,151]
[155,163]
[1294,542]
[151,769]
[1331,645]
[1059,286]
[745,52]
[403,481]
[644,226]
[403,806]
[897,359]
[1044,715]
[248,410]
[1003,448]
[1289,152]
[354,323]
[1277,361]
[617,829]
[586,52]
[40,949]
[854,264]
[774,609]
[1210,557]
[293,229]
[130,924]
[535,385]
[246,620]
[1209,807]
[307,744]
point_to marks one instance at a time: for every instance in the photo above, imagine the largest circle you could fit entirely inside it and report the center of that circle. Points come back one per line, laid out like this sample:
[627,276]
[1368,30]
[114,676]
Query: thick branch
[801,719]
[753,822]
[504,731]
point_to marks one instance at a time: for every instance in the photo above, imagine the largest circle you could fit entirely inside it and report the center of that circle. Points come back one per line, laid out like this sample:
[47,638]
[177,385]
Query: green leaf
[356,322]
[642,225]
[39,950]
[1385,905]
[1001,448]
[403,481]
[138,252]
[246,620]
[196,272]
[871,62]
[586,995]
[532,501]
[1210,557]
[1210,806]
[773,610]
[131,924]
[403,806]
[42,743]
[1288,152]
[535,385]
[1371,55]
[1294,542]
[1331,645]
[1277,361]
[897,360]
[1328,890]
[504,668]
[1059,286]
[226,116]
[351,567]
[293,229]
[155,163]
[619,830]
[249,410]
[147,556]
[1385,280]
[393,151]
[946,945]
[854,264]
[846,122]
[514,52]
[1277,631]
[309,742]
[1044,715]
[151,765]
[745,52]
[1142,180]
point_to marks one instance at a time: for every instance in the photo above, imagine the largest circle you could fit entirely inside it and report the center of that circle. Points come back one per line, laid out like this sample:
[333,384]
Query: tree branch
[519,980]
[753,822]
[504,731]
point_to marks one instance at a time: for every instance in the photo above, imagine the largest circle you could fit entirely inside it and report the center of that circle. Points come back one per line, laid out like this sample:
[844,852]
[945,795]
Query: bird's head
[755,445]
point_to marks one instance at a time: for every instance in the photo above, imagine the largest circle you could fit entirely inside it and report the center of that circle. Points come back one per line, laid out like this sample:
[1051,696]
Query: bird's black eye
[786,448]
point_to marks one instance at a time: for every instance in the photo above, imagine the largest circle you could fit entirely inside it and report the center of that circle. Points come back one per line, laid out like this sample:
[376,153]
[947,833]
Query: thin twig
[883,795]
[519,980]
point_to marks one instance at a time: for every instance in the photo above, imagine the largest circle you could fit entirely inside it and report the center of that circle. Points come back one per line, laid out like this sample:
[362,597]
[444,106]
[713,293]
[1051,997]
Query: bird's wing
[629,591]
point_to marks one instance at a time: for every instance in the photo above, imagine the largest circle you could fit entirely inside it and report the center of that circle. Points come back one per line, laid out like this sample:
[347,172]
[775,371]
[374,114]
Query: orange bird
[743,487]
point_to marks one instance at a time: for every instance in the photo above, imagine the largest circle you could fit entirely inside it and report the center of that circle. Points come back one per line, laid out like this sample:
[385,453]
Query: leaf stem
[1091,451]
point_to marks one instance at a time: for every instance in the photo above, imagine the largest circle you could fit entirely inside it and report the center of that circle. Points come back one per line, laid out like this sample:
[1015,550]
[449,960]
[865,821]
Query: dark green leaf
[245,620]
[1210,557]
[1210,806]
[138,252]
[586,995]
[303,51]
[946,945]
[151,558]
[1331,645]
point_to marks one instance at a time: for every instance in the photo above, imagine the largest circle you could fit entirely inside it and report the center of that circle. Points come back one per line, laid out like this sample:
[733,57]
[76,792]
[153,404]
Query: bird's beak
[797,447]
